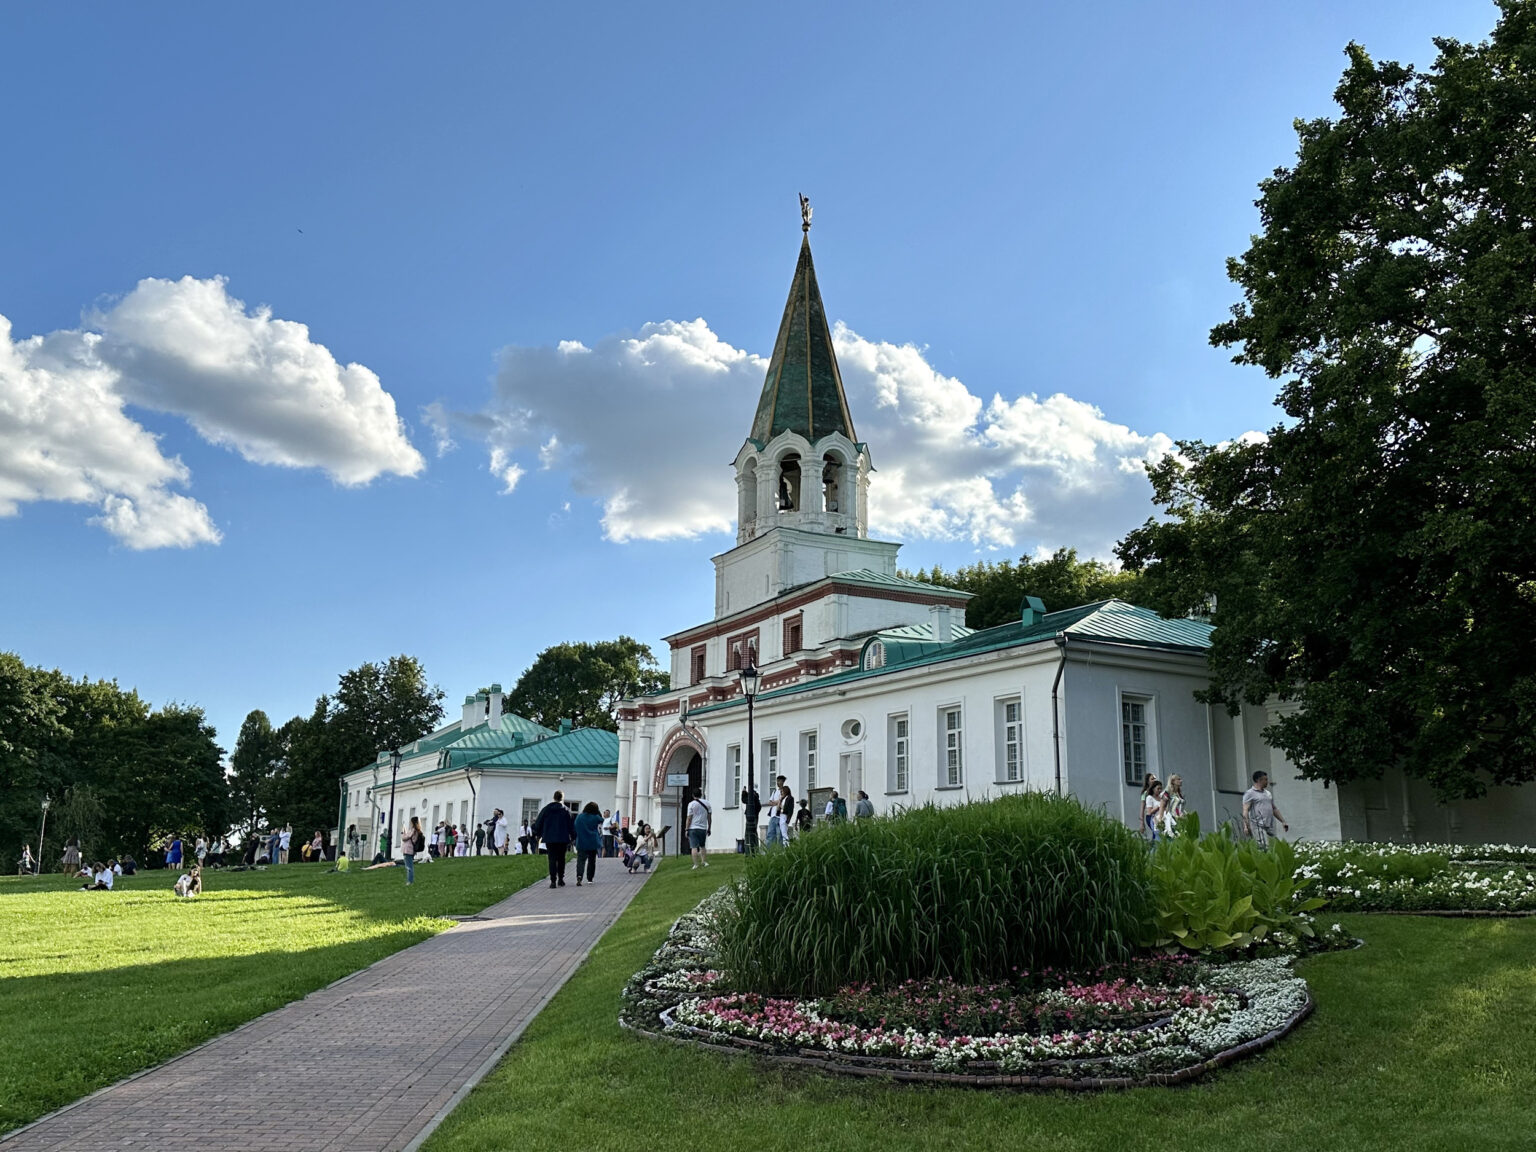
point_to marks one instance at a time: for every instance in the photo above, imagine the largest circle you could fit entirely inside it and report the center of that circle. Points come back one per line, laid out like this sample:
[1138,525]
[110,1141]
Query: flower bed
[1483,879]
[1150,1020]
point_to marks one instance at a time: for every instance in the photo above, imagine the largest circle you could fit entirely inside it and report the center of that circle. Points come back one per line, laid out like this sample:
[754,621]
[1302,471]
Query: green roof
[1113,621]
[804,390]
[480,736]
[584,750]
[881,580]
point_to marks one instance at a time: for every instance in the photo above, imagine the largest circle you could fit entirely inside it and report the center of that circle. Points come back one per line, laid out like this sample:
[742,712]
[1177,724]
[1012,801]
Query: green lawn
[96,985]
[1421,1040]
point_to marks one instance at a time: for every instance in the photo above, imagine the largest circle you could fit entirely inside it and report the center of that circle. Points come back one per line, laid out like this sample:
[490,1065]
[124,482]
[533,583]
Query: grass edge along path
[96,987]
[1419,1041]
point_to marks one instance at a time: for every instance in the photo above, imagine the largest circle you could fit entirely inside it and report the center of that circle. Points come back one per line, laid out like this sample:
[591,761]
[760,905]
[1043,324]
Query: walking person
[527,842]
[608,823]
[70,862]
[499,833]
[1173,805]
[1151,806]
[27,866]
[479,838]
[751,810]
[412,841]
[590,840]
[173,853]
[864,808]
[1259,811]
[701,818]
[803,816]
[556,827]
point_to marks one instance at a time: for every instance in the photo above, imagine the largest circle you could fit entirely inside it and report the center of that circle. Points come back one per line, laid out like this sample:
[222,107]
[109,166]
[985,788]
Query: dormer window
[874,655]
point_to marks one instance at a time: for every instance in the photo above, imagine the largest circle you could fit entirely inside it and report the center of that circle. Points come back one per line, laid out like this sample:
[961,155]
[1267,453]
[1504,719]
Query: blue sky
[1022,214]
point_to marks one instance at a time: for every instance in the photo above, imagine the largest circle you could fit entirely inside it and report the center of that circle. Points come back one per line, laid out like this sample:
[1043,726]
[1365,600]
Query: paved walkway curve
[371,1063]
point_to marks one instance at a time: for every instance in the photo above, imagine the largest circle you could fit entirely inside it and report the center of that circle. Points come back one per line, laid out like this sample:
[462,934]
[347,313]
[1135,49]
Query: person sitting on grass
[130,865]
[100,881]
[190,884]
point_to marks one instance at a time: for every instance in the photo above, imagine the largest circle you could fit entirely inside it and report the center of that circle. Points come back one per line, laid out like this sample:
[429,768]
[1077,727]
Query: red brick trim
[731,625]
[679,737]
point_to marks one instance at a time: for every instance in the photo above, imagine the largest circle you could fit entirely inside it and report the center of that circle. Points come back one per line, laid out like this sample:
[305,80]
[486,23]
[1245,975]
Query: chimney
[493,717]
[942,617]
[565,727]
[470,717]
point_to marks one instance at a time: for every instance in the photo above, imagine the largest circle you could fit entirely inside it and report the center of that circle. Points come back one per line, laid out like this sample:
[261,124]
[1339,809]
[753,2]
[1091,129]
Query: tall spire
[804,390]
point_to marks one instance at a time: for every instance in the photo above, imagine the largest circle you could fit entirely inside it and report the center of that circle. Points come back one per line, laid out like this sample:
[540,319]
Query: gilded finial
[805,213]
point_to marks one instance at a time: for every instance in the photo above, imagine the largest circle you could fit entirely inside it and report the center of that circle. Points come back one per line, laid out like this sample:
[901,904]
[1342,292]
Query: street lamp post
[749,676]
[38,867]
[389,817]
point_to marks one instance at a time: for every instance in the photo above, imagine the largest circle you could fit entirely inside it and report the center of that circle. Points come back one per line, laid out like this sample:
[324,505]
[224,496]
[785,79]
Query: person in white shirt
[100,881]
[283,840]
[700,819]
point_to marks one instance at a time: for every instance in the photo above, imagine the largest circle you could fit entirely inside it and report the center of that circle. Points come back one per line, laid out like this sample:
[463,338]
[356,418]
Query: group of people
[788,817]
[1162,807]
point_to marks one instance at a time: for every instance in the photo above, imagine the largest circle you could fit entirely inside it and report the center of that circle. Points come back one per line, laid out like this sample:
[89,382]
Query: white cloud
[646,426]
[64,436]
[242,379]
[255,383]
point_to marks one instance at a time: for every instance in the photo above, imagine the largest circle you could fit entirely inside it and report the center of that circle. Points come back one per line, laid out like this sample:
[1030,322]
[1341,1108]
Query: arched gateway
[682,752]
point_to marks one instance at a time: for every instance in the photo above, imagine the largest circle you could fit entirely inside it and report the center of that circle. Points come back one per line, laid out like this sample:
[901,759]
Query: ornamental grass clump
[972,893]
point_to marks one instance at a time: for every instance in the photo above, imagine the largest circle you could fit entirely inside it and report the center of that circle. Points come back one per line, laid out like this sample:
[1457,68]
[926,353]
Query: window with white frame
[808,758]
[733,775]
[1010,740]
[900,737]
[1135,733]
[771,762]
[951,747]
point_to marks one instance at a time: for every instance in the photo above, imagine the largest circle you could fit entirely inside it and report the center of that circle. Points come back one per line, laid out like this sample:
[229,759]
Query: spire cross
[805,213]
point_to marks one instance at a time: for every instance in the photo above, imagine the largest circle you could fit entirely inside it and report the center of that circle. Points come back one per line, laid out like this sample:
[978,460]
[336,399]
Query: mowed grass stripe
[95,986]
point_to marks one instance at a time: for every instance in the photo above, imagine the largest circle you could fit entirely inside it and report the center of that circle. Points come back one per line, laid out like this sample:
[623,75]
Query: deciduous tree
[1374,558]
[584,682]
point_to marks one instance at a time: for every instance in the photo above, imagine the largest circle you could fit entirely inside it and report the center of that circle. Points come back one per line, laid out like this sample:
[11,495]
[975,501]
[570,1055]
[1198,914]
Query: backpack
[420,840]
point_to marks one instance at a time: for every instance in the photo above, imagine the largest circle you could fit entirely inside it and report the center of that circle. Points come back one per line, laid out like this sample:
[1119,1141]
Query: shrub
[1217,894]
[969,893]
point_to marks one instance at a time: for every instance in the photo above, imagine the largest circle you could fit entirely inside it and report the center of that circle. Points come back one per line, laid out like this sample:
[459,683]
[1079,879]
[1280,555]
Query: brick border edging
[858,1066]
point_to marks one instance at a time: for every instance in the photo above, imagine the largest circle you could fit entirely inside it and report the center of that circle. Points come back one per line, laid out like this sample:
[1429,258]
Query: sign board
[677,779]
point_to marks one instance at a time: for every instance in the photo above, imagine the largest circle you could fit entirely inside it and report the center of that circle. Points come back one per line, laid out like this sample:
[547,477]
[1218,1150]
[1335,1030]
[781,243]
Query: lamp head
[749,676]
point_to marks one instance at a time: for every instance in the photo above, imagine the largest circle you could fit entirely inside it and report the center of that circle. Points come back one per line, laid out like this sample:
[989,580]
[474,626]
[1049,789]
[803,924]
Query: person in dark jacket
[751,809]
[557,829]
[589,841]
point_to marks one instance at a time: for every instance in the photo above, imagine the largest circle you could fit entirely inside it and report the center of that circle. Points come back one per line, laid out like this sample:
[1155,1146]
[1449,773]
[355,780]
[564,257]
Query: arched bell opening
[789,483]
[833,483]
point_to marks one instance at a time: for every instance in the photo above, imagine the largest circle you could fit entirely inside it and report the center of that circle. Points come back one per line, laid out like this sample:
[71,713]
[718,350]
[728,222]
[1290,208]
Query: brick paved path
[370,1063]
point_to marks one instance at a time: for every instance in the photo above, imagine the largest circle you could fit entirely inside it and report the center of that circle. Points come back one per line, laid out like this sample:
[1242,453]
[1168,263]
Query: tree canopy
[584,682]
[1373,558]
[1062,581]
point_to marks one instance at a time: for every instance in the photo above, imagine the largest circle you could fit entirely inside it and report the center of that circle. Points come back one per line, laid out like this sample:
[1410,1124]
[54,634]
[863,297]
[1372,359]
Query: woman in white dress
[1173,805]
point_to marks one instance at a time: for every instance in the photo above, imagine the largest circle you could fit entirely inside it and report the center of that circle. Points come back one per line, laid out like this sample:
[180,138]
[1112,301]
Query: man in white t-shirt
[700,818]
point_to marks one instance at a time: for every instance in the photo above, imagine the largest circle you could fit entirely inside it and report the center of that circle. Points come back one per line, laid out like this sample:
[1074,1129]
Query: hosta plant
[1218,894]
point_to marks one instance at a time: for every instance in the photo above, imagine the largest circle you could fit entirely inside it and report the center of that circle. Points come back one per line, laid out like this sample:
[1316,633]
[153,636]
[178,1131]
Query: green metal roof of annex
[1114,621]
[481,736]
[582,750]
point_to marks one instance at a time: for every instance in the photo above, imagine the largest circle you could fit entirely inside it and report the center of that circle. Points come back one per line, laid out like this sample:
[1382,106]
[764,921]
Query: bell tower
[802,466]
[802,477]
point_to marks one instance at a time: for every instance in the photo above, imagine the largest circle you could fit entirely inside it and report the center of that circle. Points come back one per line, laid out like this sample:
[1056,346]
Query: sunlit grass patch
[97,985]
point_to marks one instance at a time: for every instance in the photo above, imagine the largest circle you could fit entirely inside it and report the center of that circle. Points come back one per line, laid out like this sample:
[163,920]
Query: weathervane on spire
[805,213]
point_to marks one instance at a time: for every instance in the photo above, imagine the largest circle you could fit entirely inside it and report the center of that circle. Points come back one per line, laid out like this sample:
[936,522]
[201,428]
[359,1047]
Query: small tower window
[789,483]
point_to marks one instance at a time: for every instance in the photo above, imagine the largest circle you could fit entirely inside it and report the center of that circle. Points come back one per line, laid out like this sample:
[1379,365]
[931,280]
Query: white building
[870,681]
[464,771]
